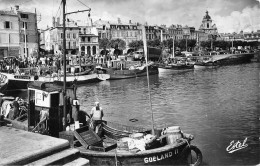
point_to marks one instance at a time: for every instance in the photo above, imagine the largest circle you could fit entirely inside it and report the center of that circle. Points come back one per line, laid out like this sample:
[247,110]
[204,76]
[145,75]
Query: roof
[10,12]
[207,16]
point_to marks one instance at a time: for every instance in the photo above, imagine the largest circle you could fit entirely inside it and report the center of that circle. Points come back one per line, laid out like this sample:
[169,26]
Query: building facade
[88,41]
[9,34]
[53,37]
[18,33]
[207,25]
[252,36]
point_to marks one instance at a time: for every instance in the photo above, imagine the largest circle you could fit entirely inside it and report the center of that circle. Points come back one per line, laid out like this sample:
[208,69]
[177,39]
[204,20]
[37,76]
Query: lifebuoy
[188,156]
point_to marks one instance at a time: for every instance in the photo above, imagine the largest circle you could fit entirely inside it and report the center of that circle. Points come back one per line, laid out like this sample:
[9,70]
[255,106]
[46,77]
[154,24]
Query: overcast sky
[228,15]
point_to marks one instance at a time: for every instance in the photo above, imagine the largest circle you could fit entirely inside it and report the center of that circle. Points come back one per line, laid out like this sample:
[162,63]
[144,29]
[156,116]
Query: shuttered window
[8,25]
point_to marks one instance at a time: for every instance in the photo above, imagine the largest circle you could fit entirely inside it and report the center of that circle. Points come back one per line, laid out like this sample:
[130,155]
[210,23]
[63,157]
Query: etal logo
[234,146]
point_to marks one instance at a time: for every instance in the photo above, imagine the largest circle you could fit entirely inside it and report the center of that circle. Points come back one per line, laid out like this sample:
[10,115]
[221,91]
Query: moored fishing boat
[123,69]
[175,67]
[161,150]
[167,146]
[48,114]
[14,81]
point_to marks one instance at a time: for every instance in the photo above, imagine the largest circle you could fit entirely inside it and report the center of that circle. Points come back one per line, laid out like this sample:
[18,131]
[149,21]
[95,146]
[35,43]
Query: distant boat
[205,62]
[216,59]
[175,65]
[12,82]
[123,69]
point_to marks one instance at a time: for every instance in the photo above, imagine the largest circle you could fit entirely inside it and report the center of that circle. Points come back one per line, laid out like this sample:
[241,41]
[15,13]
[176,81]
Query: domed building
[207,26]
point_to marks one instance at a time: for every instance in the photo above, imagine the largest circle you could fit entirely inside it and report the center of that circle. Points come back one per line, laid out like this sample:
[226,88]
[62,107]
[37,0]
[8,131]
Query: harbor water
[218,106]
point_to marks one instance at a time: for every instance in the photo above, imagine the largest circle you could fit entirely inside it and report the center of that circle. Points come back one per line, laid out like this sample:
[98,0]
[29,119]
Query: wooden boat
[12,82]
[216,59]
[128,69]
[45,113]
[175,67]
[175,64]
[203,65]
[161,154]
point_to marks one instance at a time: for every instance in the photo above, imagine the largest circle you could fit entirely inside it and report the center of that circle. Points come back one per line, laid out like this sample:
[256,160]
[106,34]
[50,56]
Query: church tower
[207,26]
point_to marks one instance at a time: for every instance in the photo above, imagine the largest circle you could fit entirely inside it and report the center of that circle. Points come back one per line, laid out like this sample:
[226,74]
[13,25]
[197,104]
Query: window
[25,38]
[88,39]
[207,25]
[74,35]
[61,35]
[83,39]
[7,25]
[74,45]
[25,25]
[24,16]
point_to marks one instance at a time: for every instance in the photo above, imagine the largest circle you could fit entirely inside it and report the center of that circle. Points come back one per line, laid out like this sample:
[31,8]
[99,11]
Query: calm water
[217,106]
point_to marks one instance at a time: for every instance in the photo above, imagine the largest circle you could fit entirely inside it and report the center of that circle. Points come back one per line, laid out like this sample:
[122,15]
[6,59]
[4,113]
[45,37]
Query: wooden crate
[87,137]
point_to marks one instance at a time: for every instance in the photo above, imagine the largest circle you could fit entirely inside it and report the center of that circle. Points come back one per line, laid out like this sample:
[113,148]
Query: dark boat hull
[124,74]
[174,68]
[236,59]
[171,155]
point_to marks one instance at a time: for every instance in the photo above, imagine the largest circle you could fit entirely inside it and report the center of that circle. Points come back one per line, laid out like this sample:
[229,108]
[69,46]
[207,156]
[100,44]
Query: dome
[207,16]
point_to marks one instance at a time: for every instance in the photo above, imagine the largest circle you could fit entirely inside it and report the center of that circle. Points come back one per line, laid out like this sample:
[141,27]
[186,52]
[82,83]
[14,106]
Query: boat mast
[147,73]
[64,60]
[172,46]
[64,66]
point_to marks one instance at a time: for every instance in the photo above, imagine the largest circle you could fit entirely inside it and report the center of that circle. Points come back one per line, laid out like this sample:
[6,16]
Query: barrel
[173,137]
[172,133]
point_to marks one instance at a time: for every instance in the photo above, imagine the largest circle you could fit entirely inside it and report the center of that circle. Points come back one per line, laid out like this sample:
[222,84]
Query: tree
[191,43]
[118,42]
[205,44]
[104,43]
[136,44]
[154,43]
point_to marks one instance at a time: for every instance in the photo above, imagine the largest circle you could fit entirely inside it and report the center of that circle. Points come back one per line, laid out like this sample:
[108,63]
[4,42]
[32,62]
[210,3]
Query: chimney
[119,21]
[58,21]
[130,22]
[16,7]
[53,21]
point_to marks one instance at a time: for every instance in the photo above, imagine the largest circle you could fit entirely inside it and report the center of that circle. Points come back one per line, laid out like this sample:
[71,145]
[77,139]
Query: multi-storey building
[231,36]
[88,39]
[118,30]
[53,37]
[207,25]
[9,34]
[125,31]
[175,31]
[18,33]
[103,28]
[252,36]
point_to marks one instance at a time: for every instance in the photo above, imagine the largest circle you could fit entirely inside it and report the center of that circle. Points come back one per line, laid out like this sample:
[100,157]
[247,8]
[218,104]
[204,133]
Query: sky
[228,15]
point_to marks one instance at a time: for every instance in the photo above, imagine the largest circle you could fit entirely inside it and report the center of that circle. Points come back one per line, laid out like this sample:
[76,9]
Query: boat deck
[19,147]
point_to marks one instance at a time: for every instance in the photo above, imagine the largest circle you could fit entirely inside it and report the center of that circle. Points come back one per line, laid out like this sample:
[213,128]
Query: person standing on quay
[96,116]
